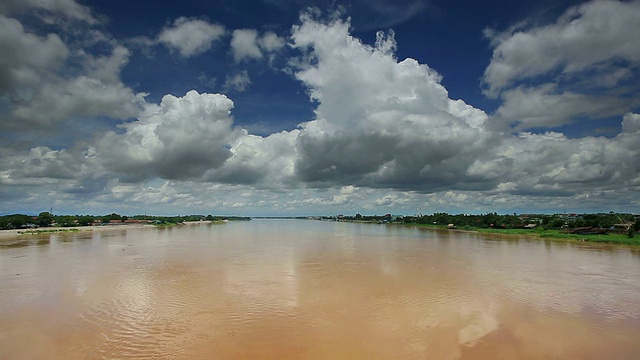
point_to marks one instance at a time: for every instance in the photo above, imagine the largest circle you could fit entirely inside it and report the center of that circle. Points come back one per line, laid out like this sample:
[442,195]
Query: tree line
[45,219]
[508,221]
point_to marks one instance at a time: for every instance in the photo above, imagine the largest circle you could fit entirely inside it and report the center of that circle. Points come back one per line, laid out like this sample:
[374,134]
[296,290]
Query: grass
[551,234]
[165,225]
[46,231]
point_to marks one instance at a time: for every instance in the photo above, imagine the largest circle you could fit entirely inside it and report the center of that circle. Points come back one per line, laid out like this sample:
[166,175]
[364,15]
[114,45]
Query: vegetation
[38,231]
[46,219]
[602,228]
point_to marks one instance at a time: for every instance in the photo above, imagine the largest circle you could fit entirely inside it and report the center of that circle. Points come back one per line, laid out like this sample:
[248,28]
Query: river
[302,289]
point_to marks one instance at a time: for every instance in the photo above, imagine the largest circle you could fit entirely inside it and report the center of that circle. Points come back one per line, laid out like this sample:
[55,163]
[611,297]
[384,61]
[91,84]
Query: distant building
[570,217]
[530,219]
[134,221]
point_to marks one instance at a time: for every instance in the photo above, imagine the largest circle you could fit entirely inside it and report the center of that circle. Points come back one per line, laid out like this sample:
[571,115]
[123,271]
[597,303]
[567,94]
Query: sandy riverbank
[39,231]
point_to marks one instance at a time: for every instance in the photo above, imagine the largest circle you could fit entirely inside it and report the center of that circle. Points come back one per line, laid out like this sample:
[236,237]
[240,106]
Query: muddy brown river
[301,289]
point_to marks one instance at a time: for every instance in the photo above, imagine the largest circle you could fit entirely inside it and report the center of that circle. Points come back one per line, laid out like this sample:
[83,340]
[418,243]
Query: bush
[631,233]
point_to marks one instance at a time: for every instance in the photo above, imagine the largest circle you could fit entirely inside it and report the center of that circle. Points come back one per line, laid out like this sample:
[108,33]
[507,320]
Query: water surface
[291,289]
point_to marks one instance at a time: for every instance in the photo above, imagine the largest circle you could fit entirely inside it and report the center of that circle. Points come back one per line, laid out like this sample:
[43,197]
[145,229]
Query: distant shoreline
[556,236]
[106,227]
[53,230]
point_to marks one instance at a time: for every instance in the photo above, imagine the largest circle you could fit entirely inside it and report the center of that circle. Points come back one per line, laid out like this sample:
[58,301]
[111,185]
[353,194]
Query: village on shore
[608,227]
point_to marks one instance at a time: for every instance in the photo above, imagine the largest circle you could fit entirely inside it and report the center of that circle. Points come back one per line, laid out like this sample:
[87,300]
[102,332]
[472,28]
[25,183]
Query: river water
[301,289]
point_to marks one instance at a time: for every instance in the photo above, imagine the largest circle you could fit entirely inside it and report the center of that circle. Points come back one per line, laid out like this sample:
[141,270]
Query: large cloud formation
[181,138]
[385,132]
[380,122]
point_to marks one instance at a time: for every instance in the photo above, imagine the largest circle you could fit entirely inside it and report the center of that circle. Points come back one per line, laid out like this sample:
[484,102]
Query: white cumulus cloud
[271,42]
[244,44]
[190,36]
[181,138]
[381,122]
[247,44]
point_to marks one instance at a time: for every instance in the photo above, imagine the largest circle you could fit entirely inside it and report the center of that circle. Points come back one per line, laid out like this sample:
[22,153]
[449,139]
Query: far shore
[557,236]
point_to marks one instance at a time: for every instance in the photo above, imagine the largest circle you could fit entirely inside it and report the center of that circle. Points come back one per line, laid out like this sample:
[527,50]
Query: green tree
[556,223]
[44,219]
[17,221]
[4,223]
[112,216]
[85,220]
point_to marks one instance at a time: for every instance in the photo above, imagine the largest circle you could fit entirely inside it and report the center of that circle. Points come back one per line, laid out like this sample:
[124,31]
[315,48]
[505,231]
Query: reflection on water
[314,290]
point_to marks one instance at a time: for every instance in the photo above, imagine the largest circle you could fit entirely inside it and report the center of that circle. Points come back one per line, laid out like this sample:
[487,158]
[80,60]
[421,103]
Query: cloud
[27,57]
[165,194]
[44,82]
[631,123]
[190,36]
[544,106]
[591,34]
[207,81]
[581,67]
[397,129]
[237,82]
[70,9]
[246,44]
[40,97]
[44,176]
[106,68]
[42,162]
[265,162]
[181,138]
[80,97]
[552,164]
[385,134]
[271,42]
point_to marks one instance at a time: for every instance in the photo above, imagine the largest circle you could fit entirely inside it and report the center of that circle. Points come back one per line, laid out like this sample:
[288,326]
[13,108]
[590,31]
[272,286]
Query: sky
[309,107]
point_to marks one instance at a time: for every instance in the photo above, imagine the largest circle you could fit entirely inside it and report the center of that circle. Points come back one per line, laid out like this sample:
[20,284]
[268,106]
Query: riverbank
[205,222]
[556,235]
[53,230]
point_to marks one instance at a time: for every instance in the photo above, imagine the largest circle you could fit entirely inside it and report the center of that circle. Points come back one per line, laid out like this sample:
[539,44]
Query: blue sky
[282,107]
